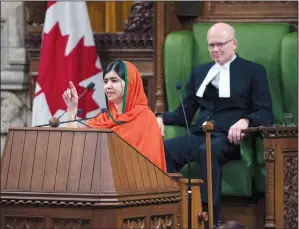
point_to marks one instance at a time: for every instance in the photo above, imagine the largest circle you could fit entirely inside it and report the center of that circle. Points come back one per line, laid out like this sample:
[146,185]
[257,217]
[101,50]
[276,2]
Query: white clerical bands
[223,84]
[224,79]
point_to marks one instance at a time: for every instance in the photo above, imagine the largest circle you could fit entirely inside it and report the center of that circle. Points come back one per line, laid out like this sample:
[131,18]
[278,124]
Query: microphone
[103,110]
[54,120]
[179,87]
[89,87]
[79,112]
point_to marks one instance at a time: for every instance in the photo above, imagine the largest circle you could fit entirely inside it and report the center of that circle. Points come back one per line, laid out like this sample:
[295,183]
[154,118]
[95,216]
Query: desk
[281,164]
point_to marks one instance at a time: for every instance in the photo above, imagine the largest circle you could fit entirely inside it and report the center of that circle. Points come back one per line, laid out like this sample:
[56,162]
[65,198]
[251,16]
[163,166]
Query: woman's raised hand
[70,97]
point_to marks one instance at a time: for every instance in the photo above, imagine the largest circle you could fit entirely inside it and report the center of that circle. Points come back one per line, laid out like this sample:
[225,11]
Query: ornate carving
[291,192]
[134,223]
[141,17]
[124,41]
[162,221]
[35,12]
[20,222]
[82,203]
[250,2]
[62,223]
[238,2]
[152,201]
[270,217]
[269,154]
[279,131]
[102,41]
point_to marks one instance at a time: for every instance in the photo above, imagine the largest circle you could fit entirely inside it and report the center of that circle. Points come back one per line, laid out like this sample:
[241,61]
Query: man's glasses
[219,45]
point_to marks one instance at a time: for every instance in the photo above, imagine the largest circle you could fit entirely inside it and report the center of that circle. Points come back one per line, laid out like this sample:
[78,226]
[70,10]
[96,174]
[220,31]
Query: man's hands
[234,134]
[161,125]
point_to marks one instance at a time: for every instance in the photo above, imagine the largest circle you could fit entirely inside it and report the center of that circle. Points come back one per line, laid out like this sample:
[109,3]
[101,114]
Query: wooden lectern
[82,178]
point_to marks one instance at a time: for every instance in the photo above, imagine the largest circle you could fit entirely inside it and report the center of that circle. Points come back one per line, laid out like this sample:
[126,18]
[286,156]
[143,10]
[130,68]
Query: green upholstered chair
[289,80]
[258,42]
[289,73]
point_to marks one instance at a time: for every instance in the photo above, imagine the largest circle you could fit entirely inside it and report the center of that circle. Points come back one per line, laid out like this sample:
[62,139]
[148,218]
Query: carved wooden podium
[82,178]
[281,163]
[281,157]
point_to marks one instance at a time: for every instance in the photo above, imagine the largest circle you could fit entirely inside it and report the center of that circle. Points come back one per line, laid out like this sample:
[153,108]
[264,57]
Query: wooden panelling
[16,156]
[108,16]
[127,163]
[5,160]
[96,11]
[119,164]
[105,181]
[281,167]
[116,171]
[152,175]
[40,157]
[145,174]
[51,163]
[137,171]
[249,11]
[75,162]
[63,163]
[88,162]
[27,160]
[160,34]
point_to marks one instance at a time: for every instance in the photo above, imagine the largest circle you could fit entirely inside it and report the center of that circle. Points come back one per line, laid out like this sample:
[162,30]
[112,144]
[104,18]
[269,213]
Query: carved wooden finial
[207,126]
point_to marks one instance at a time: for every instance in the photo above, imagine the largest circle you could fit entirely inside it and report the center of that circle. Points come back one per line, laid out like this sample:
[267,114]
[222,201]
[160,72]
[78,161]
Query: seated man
[231,92]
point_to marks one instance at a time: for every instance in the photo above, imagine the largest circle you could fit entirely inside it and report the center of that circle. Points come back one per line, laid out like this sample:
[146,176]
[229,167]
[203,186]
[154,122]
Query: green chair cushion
[237,179]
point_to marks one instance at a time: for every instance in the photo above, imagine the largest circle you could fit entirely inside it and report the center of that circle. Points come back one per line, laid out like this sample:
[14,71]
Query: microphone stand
[189,190]
[78,120]
[74,120]
[55,122]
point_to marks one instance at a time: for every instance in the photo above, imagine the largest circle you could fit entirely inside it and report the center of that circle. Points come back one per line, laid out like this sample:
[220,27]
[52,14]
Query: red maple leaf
[56,70]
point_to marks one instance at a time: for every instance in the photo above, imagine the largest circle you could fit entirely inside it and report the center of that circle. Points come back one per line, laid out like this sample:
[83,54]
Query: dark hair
[231,225]
[116,66]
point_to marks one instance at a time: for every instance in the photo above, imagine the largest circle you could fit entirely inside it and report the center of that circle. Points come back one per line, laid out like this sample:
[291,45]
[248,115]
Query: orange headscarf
[137,125]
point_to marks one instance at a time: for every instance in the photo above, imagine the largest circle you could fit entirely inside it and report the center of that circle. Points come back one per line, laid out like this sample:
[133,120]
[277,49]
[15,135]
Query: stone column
[15,100]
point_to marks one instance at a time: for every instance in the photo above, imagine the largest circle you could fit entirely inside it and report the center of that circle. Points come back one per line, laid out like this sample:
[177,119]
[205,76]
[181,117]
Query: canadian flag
[68,53]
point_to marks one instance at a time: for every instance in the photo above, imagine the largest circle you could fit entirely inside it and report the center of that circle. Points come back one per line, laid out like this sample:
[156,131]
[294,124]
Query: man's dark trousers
[176,150]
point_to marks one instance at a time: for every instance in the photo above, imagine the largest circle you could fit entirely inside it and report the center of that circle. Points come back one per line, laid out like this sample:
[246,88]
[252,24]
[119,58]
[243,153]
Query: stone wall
[15,99]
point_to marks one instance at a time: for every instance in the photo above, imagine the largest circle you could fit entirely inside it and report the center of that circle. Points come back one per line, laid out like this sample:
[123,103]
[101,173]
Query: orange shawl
[137,124]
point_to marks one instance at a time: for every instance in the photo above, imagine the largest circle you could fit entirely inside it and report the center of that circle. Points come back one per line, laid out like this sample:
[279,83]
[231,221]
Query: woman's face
[114,87]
